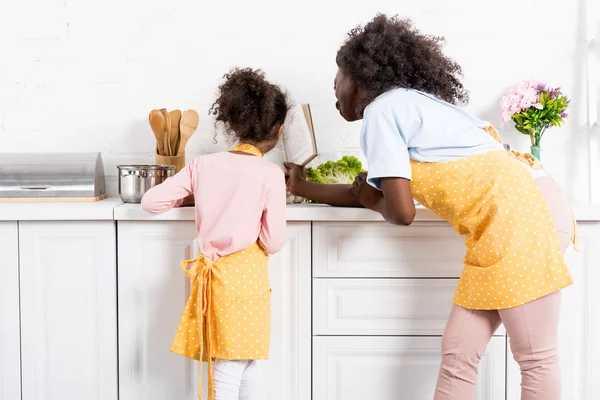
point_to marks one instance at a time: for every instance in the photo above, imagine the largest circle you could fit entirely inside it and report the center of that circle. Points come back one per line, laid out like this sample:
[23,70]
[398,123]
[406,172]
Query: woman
[419,144]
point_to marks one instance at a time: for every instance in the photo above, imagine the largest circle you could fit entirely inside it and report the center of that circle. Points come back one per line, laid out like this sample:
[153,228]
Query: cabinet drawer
[382,307]
[391,368]
[378,250]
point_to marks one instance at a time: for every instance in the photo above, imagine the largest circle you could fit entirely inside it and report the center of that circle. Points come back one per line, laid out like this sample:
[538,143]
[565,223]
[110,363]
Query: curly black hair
[389,53]
[248,106]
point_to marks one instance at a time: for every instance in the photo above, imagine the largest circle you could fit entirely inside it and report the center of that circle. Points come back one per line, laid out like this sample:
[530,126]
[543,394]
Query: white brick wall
[80,75]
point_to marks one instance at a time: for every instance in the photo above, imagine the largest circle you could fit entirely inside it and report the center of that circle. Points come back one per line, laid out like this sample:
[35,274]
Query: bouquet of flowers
[534,107]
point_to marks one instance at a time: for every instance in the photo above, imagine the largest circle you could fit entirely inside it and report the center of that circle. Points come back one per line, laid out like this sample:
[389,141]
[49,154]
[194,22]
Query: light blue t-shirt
[404,124]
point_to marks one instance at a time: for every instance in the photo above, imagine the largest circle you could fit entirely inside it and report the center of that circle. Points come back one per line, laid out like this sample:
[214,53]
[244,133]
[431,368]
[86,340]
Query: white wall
[82,75]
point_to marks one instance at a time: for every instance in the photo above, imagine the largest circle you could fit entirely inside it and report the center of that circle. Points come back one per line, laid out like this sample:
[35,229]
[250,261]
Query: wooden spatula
[157,123]
[166,138]
[187,127]
[174,139]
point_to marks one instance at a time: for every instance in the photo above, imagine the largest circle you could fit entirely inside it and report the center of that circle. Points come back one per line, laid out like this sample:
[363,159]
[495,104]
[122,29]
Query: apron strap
[200,270]
[525,158]
[534,163]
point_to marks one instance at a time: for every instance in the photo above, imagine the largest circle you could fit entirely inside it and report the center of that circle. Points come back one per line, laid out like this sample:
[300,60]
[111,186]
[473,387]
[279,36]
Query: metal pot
[135,180]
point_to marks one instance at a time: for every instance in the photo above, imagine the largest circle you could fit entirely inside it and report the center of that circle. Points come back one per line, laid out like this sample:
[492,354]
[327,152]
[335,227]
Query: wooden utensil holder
[179,163]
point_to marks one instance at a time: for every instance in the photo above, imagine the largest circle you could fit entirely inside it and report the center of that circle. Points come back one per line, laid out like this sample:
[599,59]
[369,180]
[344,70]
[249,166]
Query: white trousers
[238,380]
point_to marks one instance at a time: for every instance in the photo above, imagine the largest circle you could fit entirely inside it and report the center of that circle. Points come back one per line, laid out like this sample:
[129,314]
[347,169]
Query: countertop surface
[96,211]
[295,212]
[114,209]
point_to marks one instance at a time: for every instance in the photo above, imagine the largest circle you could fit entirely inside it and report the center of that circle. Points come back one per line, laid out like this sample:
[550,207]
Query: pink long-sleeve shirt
[238,199]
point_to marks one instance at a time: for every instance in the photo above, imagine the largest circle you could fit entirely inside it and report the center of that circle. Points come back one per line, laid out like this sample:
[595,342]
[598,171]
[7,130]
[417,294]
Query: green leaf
[522,130]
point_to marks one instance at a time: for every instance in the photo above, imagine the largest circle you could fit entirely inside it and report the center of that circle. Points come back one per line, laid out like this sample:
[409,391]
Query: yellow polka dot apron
[228,313]
[513,253]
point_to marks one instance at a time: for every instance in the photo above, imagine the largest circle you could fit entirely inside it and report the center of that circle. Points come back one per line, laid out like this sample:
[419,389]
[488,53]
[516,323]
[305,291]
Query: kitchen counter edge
[114,209]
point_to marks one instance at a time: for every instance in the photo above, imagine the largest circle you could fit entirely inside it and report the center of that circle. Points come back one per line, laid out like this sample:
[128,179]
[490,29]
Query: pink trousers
[532,329]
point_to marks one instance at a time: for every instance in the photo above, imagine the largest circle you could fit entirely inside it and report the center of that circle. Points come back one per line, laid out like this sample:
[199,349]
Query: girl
[419,144]
[240,218]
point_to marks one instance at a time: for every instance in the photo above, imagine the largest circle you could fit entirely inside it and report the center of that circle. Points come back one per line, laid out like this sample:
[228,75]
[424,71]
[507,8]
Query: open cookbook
[297,144]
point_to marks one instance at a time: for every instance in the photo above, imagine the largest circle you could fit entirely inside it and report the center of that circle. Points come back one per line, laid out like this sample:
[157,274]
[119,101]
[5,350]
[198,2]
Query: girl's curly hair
[249,106]
[388,53]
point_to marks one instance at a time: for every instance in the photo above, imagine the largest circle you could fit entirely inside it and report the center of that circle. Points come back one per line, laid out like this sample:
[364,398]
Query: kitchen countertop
[92,211]
[114,209]
[315,212]
[295,212]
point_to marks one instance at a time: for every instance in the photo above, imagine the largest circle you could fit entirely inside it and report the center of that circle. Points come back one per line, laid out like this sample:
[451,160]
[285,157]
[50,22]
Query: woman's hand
[334,195]
[296,176]
[366,195]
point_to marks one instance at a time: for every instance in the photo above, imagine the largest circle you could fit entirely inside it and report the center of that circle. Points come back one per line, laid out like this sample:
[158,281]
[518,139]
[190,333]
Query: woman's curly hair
[248,106]
[389,53]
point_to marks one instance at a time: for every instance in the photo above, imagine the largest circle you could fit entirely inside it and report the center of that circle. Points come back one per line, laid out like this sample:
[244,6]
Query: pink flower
[524,86]
[522,96]
[506,103]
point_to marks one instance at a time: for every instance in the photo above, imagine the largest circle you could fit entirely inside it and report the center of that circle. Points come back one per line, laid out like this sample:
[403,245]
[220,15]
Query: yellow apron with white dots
[228,313]
[513,253]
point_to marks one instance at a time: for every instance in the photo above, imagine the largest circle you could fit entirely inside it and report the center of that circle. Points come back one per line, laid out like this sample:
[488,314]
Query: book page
[297,144]
[277,155]
[298,138]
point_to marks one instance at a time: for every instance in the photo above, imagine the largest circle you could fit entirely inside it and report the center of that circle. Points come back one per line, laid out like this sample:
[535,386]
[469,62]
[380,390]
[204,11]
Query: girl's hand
[366,195]
[295,177]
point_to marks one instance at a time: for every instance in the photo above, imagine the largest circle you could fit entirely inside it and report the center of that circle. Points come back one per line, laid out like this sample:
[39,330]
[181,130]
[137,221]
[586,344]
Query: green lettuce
[343,171]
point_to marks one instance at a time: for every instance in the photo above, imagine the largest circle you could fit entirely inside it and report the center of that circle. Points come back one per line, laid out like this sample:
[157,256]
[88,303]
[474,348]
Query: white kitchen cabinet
[152,295]
[392,368]
[68,310]
[381,250]
[579,325]
[10,342]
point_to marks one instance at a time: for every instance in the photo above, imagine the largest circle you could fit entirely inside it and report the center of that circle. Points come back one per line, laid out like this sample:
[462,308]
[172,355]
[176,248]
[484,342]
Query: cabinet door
[391,368]
[579,330]
[152,295]
[288,369]
[68,310]
[387,307]
[10,366]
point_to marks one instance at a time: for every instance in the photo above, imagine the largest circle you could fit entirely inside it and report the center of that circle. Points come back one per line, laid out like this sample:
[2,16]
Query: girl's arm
[171,192]
[273,231]
[334,195]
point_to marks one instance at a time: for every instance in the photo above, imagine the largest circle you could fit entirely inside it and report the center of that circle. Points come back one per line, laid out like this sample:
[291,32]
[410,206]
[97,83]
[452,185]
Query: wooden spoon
[187,127]
[157,123]
[174,139]
[166,138]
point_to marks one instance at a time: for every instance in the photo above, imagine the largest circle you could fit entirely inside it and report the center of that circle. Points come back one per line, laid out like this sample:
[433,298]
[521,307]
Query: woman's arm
[397,204]
[334,195]
[394,202]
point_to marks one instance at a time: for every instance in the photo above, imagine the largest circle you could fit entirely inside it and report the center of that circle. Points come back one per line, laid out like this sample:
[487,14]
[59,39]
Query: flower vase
[535,151]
